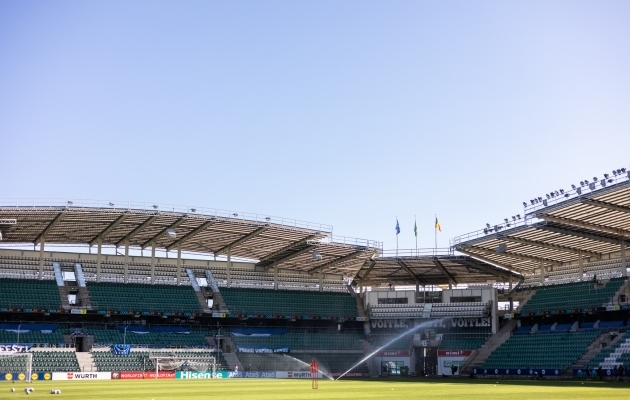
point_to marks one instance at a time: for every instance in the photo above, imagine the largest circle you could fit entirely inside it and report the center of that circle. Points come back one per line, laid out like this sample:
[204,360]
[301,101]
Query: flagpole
[415,228]
[435,232]
[397,236]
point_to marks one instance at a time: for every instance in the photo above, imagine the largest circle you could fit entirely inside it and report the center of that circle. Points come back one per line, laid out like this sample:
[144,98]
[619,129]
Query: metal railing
[440,251]
[116,205]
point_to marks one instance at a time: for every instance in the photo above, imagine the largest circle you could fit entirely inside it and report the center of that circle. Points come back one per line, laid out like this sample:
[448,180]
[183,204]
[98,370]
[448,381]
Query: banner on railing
[143,375]
[121,349]
[282,349]
[22,376]
[81,376]
[592,372]
[202,375]
[14,348]
[518,371]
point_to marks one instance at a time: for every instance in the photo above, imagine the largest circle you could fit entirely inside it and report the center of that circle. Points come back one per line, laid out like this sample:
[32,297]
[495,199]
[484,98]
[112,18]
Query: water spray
[408,331]
[308,365]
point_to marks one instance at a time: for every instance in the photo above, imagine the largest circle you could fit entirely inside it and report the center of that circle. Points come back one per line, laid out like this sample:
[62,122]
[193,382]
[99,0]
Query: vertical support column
[275,276]
[580,265]
[510,284]
[542,273]
[415,299]
[41,257]
[229,267]
[321,281]
[126,271]
[179,261]
[450,284]
[98,259]
[153,262]
[624,271]
[361,287]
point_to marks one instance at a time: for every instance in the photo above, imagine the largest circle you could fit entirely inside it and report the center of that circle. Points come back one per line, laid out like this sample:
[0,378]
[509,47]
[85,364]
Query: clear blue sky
[347,113]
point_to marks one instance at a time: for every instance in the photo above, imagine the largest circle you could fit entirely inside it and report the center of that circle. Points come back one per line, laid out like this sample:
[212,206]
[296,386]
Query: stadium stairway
[371,363]
[523,297]
[233,361]
[63,296]
[84,295]
[203,303]
[479,356]
[603,341]
[360,306]
[86,362]
[218,304]
[623,290]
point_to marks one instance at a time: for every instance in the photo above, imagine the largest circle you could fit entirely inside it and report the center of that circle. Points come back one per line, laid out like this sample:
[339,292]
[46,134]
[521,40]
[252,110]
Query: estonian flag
[397,227]
[437,225]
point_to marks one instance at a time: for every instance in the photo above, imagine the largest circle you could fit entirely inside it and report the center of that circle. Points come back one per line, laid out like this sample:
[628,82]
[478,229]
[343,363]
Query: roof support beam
[50,226]
[293,255]
[242,240]
[603,204]
[111,226]
[486,260]
[409,271]
[548,246]
[146,223]
[585,225]
[290,246]
[365,278]
[590,236]
[444,271]
[163,231]
[521,257]
[336,262]
[190,234]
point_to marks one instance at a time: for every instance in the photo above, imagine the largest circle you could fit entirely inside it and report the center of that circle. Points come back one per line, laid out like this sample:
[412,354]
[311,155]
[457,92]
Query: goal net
[164,361]
[18,364]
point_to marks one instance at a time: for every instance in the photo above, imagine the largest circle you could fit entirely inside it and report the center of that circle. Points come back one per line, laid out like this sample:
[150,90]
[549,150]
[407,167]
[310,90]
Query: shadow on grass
[566,383]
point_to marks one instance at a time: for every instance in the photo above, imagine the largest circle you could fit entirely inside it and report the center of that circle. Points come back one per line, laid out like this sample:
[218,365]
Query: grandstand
[261,293]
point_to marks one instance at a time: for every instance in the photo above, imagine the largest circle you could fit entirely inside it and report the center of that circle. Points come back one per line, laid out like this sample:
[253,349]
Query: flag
[415,228]
[397,227]
[437,225]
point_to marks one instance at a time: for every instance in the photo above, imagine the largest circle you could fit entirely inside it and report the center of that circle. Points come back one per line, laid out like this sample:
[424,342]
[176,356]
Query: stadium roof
[592,220]
[267,239]
[430,267]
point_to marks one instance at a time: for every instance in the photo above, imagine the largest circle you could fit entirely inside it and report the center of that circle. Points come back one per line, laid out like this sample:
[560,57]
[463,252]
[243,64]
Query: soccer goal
[167,361]
[20,363]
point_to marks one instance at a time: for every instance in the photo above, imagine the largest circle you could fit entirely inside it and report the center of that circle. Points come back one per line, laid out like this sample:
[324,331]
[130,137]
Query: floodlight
[485,231]
[268,219]
[193,210]
[70,202]
[566,195]
[594,179]
[518,216]
[610,181]
[615,172]
[582,183]
[155,206]
[540,199]
[579,191]
[545,203]
[606,176]
[513,218]
[623,170]
[548,197]
[552,194]
[111,204]
[170,232]
[506,220]
[317,255]
[557,194]
[573,187]
[524,204]
[235,215]
[488,225]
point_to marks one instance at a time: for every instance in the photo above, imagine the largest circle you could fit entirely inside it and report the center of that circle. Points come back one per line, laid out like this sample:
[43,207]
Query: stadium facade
[150,290]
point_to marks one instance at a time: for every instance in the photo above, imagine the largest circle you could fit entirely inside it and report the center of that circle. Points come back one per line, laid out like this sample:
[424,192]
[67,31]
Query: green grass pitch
[261,389]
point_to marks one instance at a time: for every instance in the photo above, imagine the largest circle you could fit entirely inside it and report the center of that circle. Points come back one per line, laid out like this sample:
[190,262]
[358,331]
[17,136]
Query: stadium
[115,291]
